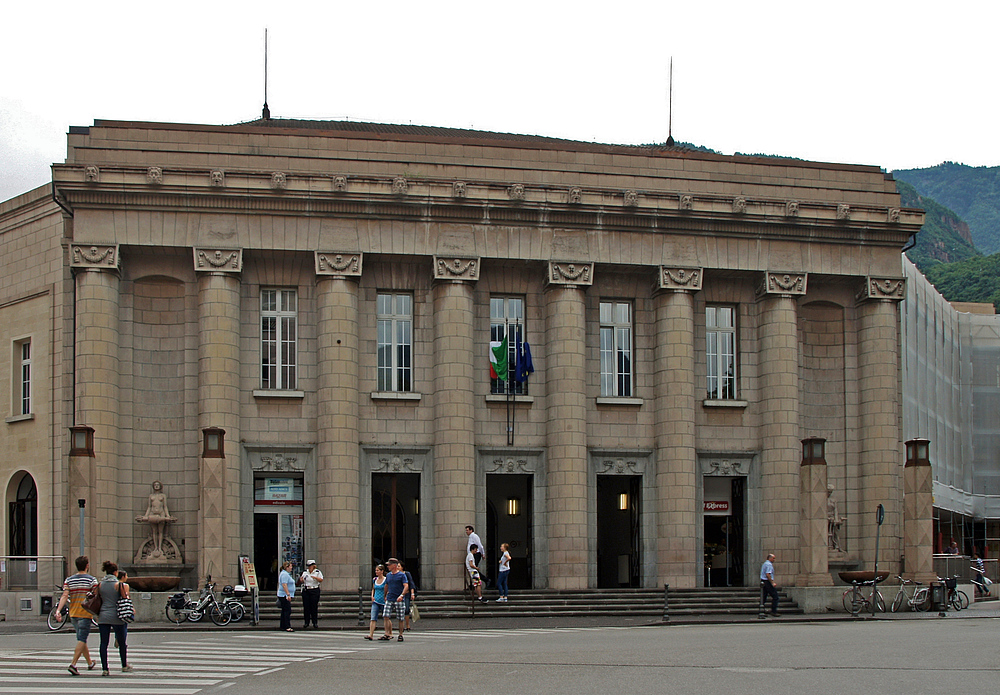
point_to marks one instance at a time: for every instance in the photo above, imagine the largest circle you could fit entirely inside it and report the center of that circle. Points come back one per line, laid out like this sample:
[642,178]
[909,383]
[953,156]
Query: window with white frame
[507,319]
[22,379]
[616,349]
[278,327]
[720,351]
[395,342]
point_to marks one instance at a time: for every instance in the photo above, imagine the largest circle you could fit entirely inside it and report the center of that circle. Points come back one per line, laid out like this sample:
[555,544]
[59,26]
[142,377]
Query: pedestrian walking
[470,566]
[311,579]
[409,597]
[107,620]
[75,589]
[286,592]
[504,572]
[768,586]
[474,540]
[395,588]
[378,599]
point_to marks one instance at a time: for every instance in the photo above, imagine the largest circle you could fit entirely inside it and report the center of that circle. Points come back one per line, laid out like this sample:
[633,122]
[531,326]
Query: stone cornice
[338,263]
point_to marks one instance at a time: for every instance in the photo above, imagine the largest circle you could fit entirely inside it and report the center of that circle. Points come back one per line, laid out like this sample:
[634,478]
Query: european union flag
[523,365]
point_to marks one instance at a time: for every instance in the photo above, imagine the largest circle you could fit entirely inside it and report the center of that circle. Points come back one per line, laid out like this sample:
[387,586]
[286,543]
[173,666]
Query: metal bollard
[666,603]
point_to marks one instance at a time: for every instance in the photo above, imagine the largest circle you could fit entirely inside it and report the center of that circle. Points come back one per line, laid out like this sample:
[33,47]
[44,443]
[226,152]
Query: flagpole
[510,425]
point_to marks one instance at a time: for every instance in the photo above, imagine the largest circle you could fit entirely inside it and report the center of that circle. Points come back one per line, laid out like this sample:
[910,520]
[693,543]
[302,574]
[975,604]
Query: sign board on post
[250,582]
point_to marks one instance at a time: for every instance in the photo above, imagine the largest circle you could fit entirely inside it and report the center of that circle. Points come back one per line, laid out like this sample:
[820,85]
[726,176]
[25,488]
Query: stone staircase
[684,604]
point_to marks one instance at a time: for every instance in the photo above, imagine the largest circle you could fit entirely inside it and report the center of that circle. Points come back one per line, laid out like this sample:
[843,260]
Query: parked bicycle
[919,600]
[56,624]
[232,598]
[855,601]
[955,597]
[179,607]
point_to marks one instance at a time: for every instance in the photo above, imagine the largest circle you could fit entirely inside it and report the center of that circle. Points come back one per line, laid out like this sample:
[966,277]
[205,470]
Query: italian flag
[498,359]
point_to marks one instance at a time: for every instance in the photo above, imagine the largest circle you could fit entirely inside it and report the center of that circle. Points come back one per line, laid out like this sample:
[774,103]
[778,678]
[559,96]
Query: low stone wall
[829,599]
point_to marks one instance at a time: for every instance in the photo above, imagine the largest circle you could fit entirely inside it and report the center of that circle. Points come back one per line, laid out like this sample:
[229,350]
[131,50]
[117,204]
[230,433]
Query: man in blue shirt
[768,586]
[286,591]
[396,587]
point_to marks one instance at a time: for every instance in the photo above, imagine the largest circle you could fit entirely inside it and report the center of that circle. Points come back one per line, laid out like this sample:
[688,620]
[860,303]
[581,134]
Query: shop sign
[717,507]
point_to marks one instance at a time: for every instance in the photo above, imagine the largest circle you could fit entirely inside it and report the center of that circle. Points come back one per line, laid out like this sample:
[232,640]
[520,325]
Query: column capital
[573,274]
[217,260]
[781,284]
[460,268]
[676,279]
[882,289]
[104,257]
[338,263]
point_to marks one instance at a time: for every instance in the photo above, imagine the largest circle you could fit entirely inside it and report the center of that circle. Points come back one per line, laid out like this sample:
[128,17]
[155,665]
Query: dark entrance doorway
[724,531]
[508,520]
[22,520]
[396,520]
[619,510]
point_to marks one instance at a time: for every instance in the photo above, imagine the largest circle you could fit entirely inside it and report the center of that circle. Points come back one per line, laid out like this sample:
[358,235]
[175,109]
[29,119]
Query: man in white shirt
[310,580]
[768,586]
[474,540]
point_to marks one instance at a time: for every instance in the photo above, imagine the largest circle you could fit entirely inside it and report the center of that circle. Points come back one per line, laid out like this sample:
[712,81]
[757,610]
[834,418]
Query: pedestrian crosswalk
[201,662]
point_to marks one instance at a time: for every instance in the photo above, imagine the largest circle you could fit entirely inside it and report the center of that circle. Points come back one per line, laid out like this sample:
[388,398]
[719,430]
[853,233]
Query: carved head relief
[218,178]
[340,183]
[91,174]
[154,176]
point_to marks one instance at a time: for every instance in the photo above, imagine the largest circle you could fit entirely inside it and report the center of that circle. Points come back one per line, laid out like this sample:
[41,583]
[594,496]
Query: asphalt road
[887,657]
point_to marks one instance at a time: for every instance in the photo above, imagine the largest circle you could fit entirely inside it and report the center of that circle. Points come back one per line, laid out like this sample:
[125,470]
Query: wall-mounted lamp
[813,450]
[215,443]
[623,501]
[513,506]
[918,452]
[81,441]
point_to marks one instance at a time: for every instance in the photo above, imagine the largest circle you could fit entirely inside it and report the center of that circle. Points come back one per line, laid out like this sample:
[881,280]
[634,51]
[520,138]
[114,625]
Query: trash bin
[938,594]
[46,605]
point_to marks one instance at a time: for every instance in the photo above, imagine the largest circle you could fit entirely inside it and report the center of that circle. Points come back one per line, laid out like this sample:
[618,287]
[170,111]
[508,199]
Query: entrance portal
[619,507]
[277,527]
[396,520]
[724,534]
[508,520]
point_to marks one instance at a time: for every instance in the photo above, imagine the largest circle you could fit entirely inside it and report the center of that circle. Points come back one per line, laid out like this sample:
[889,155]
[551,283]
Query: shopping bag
[414,613]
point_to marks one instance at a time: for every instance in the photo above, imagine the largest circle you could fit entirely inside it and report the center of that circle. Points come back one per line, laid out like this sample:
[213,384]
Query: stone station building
[288,325]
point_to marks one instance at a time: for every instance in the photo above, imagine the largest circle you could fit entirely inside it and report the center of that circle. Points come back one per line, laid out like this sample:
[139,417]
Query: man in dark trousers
[396,588]
[768,586]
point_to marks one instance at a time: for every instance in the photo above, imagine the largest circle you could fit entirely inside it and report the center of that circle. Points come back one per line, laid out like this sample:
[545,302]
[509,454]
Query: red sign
[722,506]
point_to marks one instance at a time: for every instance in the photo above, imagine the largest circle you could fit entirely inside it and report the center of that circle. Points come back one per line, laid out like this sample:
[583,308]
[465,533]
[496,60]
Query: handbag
[126,611]
[93,602]
[414,613]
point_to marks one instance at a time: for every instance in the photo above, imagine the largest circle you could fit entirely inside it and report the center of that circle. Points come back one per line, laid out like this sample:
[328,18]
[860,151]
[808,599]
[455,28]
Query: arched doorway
[22,519]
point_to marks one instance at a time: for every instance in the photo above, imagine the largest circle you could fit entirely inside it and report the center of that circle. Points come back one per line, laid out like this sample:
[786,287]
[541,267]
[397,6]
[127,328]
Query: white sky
[896,84]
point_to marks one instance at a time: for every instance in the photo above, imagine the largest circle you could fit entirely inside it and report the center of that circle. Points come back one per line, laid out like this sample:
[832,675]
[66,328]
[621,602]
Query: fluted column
[677,555]
[779,405]
[566,424]
[97,402]
[879,393]
[337,471]
[454,423]
[219,406]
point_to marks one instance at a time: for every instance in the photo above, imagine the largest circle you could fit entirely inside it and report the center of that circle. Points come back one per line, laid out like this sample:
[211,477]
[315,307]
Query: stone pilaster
[918,514]
[566,423]
[677,555]
[814,558]
[878,390]
[337,497]
[219,406]
[454,423]
[97,402]
[779,406]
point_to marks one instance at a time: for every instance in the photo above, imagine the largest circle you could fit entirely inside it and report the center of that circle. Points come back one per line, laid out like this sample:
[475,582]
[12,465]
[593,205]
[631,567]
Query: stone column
[97,403]
[879,395]
[568,494]
[918,512]
[814,567]
[219,367]
[337,461]
[677,555]
[454,421]
[779,405]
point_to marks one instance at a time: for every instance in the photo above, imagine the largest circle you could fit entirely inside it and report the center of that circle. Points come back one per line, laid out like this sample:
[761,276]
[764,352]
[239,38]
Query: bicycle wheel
[237,609]
[174,615]
[897,602]
[220,616]
[196,613]
[879,602]
[52,621]
[922,600]
[847,599]
[963,599]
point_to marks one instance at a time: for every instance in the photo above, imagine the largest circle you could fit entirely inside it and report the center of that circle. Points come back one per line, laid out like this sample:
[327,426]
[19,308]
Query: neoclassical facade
[289,326]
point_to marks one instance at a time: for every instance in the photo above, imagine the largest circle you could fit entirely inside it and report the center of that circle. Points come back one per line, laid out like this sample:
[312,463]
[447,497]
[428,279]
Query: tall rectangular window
[720,350]
[616,349]
[23,381]
[507,319]
[395,342]
[278,353]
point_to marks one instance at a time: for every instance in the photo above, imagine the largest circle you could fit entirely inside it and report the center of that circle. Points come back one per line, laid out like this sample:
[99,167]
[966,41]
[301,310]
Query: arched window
[23,519]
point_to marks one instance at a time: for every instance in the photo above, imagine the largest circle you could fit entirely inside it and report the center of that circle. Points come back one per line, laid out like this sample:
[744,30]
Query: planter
[863,576]
[153,583]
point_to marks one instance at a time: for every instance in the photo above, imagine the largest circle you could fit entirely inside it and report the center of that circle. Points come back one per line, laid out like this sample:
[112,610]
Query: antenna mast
[265,113]
[670,107]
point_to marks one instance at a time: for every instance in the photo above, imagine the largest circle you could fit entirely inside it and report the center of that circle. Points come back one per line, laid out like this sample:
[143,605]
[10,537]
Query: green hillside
[973,280]
[972,192]
[944,238]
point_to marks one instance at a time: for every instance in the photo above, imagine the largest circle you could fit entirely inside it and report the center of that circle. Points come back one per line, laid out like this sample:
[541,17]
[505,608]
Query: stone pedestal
[918,521]
[814,537]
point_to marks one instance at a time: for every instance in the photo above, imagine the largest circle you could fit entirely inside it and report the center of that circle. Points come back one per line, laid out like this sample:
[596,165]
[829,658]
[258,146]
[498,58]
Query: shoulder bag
[126,611]
[93,602]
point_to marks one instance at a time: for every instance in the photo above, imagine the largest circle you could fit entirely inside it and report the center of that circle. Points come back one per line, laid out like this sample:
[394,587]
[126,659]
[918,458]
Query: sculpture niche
[158,548]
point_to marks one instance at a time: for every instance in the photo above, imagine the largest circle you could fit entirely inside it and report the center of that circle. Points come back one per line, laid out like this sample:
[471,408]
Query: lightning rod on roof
[265,113]
[670,106]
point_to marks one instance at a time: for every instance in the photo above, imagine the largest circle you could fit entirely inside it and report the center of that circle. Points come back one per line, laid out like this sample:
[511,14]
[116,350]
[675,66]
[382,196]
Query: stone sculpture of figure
[833,519]
[157,516]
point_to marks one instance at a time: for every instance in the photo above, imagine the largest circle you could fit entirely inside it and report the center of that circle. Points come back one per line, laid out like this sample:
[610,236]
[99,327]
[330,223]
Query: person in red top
[75,590]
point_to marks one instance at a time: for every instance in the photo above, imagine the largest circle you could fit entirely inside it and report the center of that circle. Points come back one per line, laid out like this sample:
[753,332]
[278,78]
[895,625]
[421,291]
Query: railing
[31,572]
[961,565]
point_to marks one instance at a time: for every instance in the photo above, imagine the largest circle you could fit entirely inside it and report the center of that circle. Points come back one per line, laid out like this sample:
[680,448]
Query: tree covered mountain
[972,192]
[944,238]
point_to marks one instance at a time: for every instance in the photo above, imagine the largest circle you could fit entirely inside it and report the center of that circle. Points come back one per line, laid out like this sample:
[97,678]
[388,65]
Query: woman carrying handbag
[107,620]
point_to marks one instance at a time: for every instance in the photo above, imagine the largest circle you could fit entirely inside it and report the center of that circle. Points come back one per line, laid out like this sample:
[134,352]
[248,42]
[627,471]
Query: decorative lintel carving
[104,257]
[510,464]
[621,466]
[571,273]
[395,463]
[278,462]
[333,263]
[725,466]
[451,268]
[891,289]
[218,260]
[782,284]
[681,279]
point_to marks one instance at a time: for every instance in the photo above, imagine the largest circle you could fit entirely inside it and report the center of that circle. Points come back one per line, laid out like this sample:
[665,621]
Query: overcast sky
[895,84]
